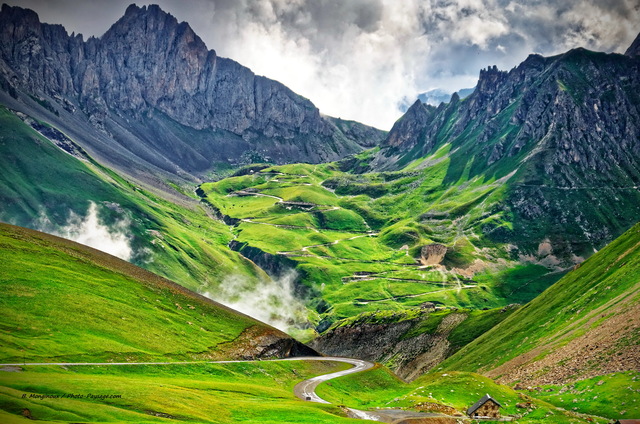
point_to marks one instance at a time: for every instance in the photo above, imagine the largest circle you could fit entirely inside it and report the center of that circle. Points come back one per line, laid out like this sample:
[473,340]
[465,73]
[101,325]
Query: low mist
[270,301]
[114,239]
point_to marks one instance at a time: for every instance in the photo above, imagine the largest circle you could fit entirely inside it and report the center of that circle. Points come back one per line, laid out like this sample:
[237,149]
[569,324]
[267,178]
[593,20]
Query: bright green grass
[175,239]
[299,219]
[64,302]
[232,184]
[609,279]
[380,388]
[56,181]
[612,395]
[241,206]
[201,393]
[419,209]
[366,247]
[308,194]
[273,239]
[341,220]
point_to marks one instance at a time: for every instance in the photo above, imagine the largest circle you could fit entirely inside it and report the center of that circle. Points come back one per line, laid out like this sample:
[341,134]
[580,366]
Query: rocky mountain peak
[490,79]
[568,121]
[18,15]
[149,84]
[634,48]
[407,130]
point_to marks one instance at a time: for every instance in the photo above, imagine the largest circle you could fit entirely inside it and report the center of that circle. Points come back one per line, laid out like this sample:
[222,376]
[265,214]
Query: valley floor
[255,391]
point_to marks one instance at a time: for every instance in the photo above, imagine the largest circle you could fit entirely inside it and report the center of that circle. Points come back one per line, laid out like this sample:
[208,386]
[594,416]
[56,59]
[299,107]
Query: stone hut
[486,407]
[426,306]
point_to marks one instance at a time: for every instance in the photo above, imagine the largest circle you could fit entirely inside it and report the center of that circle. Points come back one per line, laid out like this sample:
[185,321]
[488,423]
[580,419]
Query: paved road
[304,390]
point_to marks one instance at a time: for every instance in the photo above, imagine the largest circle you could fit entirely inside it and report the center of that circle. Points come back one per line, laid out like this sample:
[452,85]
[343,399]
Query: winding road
[304,390]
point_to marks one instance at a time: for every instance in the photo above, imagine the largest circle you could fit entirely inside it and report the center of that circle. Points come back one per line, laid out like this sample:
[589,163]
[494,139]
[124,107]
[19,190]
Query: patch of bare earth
[436,351]
[605,347]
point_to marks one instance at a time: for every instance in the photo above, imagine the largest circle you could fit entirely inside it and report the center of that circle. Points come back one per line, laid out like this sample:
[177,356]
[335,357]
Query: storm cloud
[359,59]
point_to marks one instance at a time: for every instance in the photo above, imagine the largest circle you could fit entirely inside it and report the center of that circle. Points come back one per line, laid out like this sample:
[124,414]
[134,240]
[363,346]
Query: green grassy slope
[175,239]
[356,239]
[587,324]
[63,302]
[201,393]
[450,393]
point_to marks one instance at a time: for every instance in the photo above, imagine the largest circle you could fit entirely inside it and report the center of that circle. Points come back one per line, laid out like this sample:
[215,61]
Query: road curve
[305,390]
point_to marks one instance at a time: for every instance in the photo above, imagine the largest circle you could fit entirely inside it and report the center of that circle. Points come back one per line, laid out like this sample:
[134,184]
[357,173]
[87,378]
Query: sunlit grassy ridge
[63,302]
[357,238]
[603,287]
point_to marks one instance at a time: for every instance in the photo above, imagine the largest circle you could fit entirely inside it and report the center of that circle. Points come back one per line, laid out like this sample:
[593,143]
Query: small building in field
[426,306]
[633,421]
[485,407]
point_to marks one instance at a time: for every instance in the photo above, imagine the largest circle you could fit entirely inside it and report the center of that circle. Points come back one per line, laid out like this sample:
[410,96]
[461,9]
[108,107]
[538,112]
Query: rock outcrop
[634,48]
[410,347]
[432,254]
[151,90]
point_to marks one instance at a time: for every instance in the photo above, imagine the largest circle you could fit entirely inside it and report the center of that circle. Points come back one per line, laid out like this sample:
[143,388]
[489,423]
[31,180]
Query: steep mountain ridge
[564,134]
[150,92]
[585,325]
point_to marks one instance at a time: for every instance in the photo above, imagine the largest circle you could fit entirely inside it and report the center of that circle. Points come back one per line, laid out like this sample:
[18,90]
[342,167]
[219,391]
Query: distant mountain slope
[149,95]
[62,301]
[47,180]
[562,134]
[587,324]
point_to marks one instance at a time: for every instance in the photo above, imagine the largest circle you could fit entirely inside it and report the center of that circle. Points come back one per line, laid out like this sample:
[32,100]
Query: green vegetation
[602,288]
[176,239]
[379,388]
[197,393]
[315,214]
[360,252]
[611,395]
[65,302]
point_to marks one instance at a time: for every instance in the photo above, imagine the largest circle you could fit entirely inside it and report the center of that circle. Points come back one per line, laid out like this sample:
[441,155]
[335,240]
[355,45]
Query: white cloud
[271,301]
[88,230]
[358,59]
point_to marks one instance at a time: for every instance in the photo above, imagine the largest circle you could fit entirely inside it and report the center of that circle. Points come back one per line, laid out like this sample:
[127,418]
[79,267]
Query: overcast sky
[358,59]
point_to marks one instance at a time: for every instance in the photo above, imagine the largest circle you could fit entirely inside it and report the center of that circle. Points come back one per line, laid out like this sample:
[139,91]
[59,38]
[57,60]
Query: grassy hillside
[199,393]
[64,302]
[41,186]
[585,325]
[356,239]
[451,393]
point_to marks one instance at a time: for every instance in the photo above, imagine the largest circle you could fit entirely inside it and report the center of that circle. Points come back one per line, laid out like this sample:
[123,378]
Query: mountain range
[148,97]
[489,234]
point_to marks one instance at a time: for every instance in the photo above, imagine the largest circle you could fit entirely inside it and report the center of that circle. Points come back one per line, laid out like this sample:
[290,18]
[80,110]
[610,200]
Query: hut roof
[481,402]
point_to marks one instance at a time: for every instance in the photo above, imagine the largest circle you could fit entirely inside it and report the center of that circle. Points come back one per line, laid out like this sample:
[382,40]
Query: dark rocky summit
[149,92]
[634,48]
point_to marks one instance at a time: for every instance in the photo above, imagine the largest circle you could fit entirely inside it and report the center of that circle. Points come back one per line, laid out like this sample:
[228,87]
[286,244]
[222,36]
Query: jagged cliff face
[408,357]
[562,132]
[151,85]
